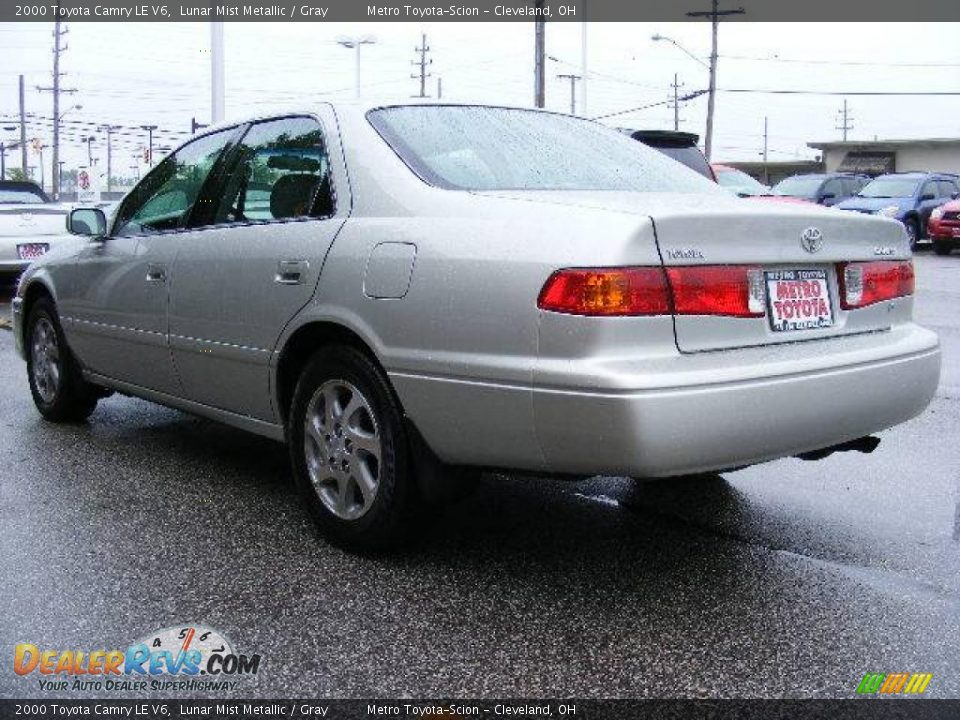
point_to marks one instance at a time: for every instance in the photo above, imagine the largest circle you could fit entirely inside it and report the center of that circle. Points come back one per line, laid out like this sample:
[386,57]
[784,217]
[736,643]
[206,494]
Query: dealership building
[884,156]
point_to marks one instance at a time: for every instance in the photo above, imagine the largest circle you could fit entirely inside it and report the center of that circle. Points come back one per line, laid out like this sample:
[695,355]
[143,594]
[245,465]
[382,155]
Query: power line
[688,96]
[857,63]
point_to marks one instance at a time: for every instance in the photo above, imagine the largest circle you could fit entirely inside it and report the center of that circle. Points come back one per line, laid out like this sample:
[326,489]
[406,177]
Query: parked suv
[821,188]
[909,197]
[681,146]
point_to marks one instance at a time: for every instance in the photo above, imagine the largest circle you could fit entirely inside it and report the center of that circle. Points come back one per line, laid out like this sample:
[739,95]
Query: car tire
[56,383]
[942,248]
[913,232]
[349,451]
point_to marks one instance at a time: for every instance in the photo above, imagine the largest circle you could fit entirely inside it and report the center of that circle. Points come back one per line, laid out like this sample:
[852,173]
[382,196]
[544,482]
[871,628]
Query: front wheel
[349,451]
[913,232]
[58,388]
[941,247]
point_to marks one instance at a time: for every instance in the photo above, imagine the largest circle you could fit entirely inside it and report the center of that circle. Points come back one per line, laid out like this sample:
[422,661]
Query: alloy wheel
[343,449]
[45,357]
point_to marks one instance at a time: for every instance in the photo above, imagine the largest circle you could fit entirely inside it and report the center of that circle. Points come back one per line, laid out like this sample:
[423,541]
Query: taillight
[606,291]
[731,290]
[866,283]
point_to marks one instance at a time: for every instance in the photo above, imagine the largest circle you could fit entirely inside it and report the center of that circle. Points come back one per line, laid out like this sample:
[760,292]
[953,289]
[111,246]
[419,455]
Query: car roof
[23,185]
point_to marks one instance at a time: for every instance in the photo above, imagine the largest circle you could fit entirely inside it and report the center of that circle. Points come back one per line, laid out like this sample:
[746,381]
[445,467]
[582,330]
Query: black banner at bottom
[861,709]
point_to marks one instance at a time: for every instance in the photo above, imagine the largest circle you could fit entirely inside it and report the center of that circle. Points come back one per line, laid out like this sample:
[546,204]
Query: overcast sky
[134,74]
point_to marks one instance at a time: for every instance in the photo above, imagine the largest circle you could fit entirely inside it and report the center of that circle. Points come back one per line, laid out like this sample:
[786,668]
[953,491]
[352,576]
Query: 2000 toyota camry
[402,291]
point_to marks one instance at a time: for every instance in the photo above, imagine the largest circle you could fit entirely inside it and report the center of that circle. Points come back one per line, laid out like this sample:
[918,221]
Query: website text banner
[353,11]
[492,709]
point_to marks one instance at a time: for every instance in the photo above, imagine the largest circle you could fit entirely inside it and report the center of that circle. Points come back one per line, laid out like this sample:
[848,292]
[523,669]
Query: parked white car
[29,224]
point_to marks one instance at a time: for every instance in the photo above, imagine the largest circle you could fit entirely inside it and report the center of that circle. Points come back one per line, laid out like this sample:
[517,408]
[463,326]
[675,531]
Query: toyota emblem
[811,239]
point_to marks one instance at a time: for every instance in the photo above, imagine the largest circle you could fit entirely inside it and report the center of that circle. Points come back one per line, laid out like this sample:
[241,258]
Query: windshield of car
[798,186]
[489,148]
[20,196]
[890,187]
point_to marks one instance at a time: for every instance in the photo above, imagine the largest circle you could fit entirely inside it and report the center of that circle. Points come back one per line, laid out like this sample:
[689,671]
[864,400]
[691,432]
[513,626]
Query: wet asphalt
[790,579]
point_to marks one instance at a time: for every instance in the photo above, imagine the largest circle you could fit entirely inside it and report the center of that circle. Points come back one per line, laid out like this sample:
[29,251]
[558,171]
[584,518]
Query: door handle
[291,272]
[156,273]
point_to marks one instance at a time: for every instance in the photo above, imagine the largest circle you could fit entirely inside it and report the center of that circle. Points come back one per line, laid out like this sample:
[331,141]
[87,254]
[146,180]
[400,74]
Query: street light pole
[355,44]
[217,73]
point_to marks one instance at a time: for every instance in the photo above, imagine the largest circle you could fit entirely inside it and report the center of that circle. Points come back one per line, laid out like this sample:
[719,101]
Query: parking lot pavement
[787,579]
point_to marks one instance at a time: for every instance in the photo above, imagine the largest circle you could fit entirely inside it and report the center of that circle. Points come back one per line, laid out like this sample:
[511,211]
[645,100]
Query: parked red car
[943,227]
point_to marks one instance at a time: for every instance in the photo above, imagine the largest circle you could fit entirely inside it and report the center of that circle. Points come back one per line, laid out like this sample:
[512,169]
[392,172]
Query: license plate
[798,300]
[956,232]
[31,251]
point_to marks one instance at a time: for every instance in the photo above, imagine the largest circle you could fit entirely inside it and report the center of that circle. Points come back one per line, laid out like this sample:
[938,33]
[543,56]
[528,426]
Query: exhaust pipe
[864,445]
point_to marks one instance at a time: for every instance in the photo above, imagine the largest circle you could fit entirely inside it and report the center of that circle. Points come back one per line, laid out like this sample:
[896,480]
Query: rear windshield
[488,148]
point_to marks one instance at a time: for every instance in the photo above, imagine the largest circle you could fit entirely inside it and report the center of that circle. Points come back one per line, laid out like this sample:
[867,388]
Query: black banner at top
[476,10]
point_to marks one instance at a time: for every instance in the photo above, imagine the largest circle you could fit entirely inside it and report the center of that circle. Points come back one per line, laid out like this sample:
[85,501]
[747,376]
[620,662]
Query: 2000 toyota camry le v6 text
[403,291]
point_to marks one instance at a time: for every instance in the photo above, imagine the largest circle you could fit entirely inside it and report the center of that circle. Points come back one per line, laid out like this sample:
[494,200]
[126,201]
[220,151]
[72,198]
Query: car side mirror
[87,221]
[927,196]
[828,196]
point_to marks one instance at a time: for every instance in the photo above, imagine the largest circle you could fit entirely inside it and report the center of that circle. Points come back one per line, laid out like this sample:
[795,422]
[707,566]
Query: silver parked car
[402,292]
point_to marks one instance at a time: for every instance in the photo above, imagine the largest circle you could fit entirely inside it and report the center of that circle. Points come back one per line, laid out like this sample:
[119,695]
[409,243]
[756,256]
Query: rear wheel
[942,247]
[913,232]
[56,383]
[349,451]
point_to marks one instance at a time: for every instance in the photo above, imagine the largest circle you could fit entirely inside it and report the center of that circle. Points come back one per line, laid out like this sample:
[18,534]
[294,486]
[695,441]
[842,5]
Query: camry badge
[811,239]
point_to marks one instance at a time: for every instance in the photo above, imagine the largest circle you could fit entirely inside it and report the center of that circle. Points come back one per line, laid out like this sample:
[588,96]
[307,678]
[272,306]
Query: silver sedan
[404,294]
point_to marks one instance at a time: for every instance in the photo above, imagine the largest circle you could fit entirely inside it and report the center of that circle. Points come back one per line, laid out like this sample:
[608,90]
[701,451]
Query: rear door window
[281,171]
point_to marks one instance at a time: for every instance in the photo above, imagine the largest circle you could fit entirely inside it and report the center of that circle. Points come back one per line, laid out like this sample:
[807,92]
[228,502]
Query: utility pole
[89,140]
[715,13]
[539,58]
[439,88]
[424,63]
[766,137]
[573,90]
[109,130]
[217,73]
[149,129]
[675,101]
[23,132]
[583,59]
[846,122]
[58,33]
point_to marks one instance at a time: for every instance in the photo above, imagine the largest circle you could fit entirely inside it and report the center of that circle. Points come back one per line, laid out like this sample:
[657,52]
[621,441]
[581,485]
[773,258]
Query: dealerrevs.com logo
[184,658]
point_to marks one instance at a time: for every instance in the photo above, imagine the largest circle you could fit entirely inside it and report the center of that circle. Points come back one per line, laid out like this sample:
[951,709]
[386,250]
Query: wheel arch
[297,349]
[36,288]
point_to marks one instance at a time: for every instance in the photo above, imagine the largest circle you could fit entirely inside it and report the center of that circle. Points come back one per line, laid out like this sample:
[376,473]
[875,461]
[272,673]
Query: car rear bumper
[763,404]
